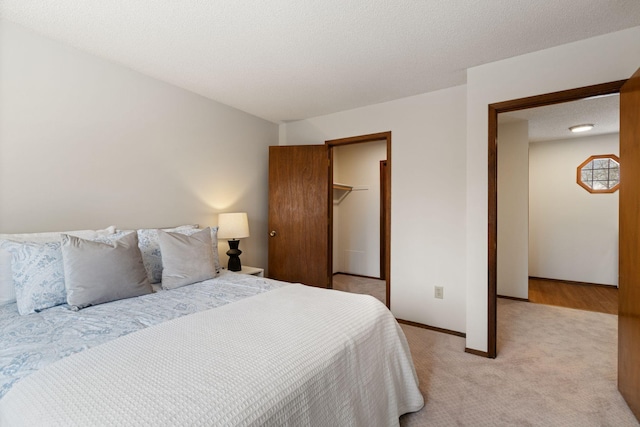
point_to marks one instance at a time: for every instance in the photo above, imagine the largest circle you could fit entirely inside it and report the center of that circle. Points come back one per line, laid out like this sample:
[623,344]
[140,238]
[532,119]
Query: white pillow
[96,272]
[56,236]
[7,288]
[186,259]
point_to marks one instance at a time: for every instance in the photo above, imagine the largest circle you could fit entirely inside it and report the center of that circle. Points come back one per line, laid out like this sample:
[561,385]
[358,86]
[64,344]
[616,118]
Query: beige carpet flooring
[555,367]
[361,285]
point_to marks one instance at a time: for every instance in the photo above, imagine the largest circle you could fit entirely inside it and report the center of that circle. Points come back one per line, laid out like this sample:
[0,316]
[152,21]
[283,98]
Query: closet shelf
[340,191]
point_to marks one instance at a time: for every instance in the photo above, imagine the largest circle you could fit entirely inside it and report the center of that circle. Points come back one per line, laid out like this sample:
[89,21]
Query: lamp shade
[233,225]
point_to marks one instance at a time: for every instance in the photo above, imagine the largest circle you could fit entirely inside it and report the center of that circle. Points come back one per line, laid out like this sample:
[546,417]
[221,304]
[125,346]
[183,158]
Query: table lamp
[233,226]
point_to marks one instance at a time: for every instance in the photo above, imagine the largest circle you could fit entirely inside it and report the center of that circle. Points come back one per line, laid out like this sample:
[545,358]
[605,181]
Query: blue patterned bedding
[30,342]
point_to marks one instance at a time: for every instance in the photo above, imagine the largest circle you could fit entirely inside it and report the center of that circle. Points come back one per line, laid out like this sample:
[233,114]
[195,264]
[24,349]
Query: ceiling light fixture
[581,128]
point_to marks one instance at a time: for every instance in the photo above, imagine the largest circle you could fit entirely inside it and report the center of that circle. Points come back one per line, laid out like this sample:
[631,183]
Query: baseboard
[432,328]
[477,352]
[513,298]
[357,275]
[446,331]
[571,282]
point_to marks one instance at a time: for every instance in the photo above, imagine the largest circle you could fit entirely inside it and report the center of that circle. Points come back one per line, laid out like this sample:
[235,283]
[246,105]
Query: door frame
[384,190]
[504,107]
[381,136]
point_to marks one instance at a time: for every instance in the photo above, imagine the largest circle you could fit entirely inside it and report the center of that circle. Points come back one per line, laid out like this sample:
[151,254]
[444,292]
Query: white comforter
[29,343]
[292,356]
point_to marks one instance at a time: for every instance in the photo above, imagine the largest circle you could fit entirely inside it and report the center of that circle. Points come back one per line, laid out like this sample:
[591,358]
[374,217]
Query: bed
[231,349]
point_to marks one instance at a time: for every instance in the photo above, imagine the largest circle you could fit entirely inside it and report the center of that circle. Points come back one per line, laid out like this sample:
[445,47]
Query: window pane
[599,185]
[600,163]
[614,175]
[601,174]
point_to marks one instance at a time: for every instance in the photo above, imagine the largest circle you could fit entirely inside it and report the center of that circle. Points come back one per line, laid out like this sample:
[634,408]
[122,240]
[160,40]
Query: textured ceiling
[286,60]
[552,122]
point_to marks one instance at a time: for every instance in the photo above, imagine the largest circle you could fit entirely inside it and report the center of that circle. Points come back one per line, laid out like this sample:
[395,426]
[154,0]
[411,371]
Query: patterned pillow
[214,242]
[38,274]
[149,244]
[7,288]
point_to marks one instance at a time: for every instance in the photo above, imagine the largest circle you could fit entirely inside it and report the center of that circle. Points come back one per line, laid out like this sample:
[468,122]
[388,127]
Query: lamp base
[234,256]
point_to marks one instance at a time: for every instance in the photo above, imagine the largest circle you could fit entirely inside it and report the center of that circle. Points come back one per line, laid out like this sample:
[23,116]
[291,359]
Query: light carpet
[361,285]
[555,367]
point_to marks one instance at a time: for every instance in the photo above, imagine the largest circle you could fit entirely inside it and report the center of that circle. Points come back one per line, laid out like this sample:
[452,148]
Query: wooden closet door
[629,274]
[299,196]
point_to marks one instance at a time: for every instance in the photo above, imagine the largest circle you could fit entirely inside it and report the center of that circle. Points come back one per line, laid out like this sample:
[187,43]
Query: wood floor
[603,299]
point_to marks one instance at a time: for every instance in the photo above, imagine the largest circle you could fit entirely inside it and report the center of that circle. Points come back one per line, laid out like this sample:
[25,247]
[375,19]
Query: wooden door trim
[383,218]
[494,110]
[629,249]
[381,136]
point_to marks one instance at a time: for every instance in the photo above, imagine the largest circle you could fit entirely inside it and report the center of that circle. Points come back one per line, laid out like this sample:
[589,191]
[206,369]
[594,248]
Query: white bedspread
[29,343]
[292,356]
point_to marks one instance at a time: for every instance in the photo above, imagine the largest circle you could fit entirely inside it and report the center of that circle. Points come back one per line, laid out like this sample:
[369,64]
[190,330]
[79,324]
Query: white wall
[601,59]
[513,209]
[573,233]
[427,196]
[356,245]
[85,143]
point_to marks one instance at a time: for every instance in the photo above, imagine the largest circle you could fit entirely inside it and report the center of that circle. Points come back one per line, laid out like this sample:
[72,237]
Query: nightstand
[254,271]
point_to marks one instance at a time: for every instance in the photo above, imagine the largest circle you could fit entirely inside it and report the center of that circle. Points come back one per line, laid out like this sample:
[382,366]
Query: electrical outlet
[439,292]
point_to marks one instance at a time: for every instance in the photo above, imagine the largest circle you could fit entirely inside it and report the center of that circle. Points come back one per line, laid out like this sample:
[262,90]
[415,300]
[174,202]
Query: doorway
[360,215]
[629,232]
[494,110]
[557,240]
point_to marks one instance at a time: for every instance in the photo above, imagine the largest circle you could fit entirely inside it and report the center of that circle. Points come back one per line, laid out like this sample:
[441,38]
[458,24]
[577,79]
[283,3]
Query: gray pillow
[150,248]
[95,273]
[186,259]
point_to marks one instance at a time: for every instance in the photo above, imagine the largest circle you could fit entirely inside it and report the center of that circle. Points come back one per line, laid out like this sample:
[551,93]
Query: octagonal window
[600,174]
